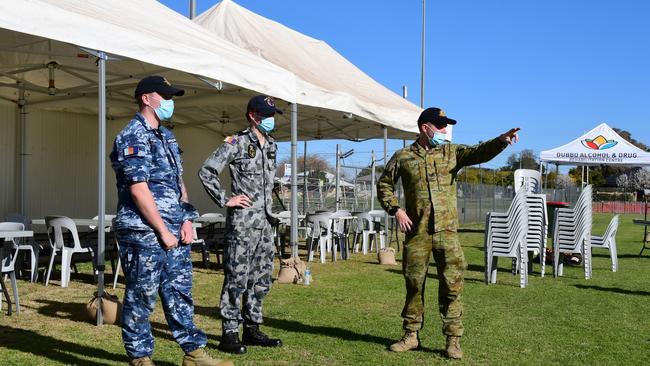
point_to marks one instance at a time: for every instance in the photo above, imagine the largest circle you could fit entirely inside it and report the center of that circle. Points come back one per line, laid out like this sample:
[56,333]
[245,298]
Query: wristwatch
[393,210]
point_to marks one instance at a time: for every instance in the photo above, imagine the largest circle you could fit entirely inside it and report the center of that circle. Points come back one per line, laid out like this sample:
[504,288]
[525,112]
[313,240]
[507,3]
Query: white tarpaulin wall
[326,81]
[600,146]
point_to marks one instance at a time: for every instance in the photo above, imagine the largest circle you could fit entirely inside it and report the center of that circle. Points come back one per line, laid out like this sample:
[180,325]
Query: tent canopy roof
[39,38]
[600,146]
[324,78]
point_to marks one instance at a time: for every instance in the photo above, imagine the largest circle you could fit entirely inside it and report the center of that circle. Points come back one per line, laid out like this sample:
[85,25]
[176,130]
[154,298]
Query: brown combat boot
[409,341]
[200,357]
[142,361]
[453,348]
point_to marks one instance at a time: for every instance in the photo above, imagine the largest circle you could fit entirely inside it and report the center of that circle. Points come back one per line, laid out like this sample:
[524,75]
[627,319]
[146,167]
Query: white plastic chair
[505,236]
[284,218]
[528,179]
[321,233]
[572,232]
[7,260]
[108,222]
[340,232]
[19,245]
[55,229]
[212,240]
[608,241]
[366,228]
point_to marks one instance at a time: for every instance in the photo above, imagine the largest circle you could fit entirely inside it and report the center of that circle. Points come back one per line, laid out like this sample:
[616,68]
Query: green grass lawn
[350,314]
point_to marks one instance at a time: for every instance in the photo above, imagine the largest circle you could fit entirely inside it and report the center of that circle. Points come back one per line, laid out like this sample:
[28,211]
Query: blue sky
[555,68]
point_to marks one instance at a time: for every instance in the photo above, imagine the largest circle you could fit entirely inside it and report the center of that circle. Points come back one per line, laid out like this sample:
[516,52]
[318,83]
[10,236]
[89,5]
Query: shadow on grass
[619,256]
[470,230]
[333,332]
[77,312]
[212,266]
[614,289]
[211,311]
[30,342]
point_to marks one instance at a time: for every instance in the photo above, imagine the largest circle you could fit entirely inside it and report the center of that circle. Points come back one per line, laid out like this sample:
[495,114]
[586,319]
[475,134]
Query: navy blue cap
[435,116]
[157,84]
[262,104]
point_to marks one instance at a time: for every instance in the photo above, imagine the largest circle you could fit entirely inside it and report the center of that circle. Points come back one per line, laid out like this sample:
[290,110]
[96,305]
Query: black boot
[254,337]
[230,343]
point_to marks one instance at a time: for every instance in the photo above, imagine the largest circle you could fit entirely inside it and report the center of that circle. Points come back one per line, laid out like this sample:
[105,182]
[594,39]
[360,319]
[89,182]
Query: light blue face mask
[438,138]
[165,110]
[267,124]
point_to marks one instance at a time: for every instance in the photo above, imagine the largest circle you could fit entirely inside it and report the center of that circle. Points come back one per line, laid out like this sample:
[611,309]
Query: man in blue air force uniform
[154,228]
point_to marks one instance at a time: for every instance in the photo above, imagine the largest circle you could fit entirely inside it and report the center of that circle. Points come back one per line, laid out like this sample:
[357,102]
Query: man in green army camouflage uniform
[248,251]
[428,169]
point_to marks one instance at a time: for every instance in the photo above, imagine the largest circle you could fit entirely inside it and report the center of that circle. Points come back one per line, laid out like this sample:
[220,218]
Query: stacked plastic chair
[529,181]
[572,232]
[505,236]
[608,241]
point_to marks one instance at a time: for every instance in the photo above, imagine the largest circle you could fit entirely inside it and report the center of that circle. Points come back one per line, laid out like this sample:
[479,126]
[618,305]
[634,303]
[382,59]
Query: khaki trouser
[450,265]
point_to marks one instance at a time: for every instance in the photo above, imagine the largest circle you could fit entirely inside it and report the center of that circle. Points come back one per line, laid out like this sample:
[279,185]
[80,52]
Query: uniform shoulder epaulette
[230,140]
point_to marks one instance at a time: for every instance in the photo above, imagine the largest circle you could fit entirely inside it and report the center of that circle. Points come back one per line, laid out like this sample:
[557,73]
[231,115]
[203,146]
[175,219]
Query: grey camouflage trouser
[248,267]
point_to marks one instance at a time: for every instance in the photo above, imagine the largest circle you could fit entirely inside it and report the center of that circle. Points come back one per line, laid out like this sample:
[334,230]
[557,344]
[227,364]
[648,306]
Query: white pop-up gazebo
[600,146]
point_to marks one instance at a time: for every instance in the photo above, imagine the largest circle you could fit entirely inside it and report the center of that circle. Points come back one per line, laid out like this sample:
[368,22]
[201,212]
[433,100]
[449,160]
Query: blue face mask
[165,110]
[438,138]
[267,124]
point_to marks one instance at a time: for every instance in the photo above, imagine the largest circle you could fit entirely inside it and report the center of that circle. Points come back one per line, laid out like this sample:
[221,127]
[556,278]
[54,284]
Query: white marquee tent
[326,83]
[324,78]
[65,63]
[600,146]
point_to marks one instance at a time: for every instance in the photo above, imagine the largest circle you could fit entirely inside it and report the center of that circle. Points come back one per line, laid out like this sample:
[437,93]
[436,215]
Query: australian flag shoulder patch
[230,140]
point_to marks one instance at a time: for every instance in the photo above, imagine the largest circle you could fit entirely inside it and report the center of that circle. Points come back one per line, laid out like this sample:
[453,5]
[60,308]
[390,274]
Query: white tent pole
[385,162]
[304,178]
[372,182]
[294,180]
[101,233]
[22,105]
[337,190]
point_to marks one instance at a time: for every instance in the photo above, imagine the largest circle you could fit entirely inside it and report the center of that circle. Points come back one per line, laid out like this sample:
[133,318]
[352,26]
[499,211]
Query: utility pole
[192,9]
[424,22]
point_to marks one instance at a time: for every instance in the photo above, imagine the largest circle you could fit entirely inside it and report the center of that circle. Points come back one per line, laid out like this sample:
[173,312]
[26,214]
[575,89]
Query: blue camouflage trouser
[150,270]
[248,269]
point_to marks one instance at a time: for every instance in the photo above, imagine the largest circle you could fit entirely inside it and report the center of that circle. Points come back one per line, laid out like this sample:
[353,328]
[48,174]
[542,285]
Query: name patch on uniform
[230,140]
[131,151]
[271,155]
[252,151]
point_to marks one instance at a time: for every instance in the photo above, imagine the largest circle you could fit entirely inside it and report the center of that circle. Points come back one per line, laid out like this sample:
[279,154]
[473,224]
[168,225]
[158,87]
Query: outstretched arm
[483,152]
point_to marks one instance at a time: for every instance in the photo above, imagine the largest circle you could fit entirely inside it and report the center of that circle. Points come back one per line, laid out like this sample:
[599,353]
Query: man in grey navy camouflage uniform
[153,214]
[249,250]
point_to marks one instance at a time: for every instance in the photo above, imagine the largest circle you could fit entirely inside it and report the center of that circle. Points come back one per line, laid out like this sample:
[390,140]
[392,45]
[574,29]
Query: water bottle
[307,279]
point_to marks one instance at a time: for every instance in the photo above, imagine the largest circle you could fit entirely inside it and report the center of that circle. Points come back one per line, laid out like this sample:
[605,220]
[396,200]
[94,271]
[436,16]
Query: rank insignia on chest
[252,151]
[270,155]
[230,140]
